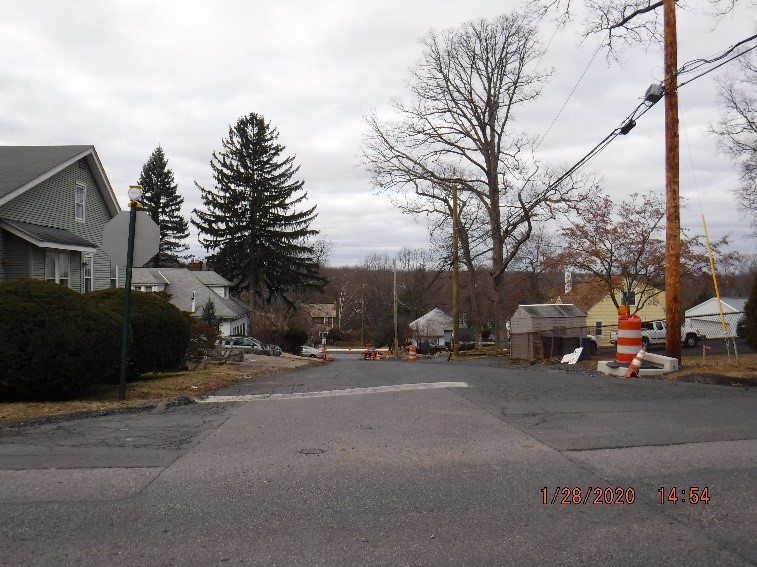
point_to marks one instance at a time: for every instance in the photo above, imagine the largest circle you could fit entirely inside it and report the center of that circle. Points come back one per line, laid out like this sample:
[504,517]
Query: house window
[598,328]
[57,267]
[113,275]
[80,202]
[628,298]
[87,269]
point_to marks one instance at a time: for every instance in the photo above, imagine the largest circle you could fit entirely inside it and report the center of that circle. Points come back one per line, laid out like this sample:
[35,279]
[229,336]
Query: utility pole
[455,279]
[396,344]
[672,186]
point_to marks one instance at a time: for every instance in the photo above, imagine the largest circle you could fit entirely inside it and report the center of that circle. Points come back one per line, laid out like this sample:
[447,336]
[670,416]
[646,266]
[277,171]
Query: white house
[190,291]
[705,317]
[434,328]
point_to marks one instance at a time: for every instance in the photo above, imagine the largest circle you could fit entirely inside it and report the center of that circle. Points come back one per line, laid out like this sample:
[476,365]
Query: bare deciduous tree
[737,131]
[625,21]
[623,246]
[457,131]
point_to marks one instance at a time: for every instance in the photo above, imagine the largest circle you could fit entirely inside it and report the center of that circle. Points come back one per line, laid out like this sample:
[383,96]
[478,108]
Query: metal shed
[546,330]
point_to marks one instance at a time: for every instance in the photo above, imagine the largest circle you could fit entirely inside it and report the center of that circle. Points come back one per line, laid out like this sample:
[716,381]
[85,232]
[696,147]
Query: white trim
[79,185]
[87,260]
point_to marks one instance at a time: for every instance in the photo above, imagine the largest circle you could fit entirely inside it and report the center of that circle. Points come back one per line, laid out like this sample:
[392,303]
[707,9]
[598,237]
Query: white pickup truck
[653,333]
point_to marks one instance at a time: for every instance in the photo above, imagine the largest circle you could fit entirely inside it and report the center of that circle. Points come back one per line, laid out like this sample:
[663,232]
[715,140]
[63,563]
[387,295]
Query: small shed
[705,317]
[546,330]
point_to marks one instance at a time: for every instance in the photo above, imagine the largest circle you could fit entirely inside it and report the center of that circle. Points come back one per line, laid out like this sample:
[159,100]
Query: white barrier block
[668,364]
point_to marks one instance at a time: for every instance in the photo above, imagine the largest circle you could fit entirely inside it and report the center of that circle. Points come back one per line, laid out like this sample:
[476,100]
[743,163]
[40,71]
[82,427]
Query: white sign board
[116,237]
[573,357]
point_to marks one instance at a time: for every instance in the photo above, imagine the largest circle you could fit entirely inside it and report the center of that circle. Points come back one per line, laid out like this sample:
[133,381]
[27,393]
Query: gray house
[54,202]
[190,291]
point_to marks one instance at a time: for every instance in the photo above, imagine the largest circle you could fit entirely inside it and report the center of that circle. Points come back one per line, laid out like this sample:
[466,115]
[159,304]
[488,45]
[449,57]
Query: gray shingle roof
[553,310]
[20,165]
[182,282]
[45,234]
[209,277]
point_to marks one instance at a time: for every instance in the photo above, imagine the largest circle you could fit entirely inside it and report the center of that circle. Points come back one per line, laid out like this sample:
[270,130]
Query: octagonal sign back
[116,236]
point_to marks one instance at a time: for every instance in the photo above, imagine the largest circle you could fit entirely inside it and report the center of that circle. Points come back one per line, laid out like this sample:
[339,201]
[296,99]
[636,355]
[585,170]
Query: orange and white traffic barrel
[411,356]
[629,339]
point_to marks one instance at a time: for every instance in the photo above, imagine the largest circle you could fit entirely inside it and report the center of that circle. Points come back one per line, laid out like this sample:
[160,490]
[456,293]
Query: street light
[135,196]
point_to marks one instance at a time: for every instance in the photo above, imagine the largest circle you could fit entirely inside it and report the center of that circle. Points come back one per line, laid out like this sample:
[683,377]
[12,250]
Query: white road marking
[331,393]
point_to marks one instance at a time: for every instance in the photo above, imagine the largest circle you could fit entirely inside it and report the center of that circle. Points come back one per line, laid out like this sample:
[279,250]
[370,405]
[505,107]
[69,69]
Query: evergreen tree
[208,315]
[163,203]
[254,220]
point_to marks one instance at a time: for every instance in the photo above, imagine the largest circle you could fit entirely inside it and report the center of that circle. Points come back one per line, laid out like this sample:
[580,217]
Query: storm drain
[311,451]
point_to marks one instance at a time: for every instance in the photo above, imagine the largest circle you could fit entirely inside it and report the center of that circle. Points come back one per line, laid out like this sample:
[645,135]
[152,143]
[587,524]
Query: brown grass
[156,388]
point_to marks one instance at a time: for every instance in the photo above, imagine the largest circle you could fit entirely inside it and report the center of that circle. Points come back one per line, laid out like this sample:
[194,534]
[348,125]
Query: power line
[630,121]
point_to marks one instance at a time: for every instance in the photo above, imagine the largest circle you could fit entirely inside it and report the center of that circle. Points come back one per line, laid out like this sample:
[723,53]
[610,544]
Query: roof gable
[709,307]
[319,310]
[24,167]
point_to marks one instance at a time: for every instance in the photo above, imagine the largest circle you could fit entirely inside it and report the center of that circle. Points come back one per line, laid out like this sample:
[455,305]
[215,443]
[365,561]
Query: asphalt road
[295,475]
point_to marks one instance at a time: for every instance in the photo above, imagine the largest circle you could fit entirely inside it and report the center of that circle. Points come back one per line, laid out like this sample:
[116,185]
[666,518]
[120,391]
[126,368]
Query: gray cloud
[127,76]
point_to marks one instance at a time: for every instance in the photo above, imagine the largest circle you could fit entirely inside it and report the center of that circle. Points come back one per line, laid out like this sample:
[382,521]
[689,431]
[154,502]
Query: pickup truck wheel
[690,341]
[645,342]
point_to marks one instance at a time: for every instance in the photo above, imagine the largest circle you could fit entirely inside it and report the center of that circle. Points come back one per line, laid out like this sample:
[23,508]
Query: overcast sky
[128,75]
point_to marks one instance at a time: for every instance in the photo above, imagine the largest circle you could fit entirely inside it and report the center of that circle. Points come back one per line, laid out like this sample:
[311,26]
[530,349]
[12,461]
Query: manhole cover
[311,451]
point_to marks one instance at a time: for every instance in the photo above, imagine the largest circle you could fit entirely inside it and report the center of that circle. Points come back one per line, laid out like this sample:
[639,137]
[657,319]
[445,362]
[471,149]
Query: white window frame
[88,272]
[80,202]
[113,275]
[628,298]
[59,271]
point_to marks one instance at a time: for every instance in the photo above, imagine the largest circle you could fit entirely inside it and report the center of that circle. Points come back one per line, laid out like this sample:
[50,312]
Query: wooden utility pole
[455,279]
[672,180]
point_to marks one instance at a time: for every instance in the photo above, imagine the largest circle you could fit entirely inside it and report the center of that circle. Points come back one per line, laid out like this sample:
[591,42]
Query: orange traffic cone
[411,356]
[633,368]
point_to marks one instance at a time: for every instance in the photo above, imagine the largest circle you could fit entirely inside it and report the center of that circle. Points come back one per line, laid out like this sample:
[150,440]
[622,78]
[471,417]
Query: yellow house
[602,317]
[590,295]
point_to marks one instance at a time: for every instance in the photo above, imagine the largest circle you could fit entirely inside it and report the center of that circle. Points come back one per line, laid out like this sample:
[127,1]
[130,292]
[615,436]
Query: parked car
[653,333]
[246,344]
[310,351]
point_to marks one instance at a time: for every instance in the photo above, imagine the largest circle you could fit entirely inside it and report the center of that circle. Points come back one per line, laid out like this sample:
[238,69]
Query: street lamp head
[135,192]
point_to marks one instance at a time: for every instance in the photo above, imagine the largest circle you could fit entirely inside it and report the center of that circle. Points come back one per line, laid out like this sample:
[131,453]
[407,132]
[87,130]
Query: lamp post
[135,196]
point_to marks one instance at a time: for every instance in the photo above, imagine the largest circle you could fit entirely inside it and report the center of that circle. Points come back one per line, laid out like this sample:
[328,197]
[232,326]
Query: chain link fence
[560,340]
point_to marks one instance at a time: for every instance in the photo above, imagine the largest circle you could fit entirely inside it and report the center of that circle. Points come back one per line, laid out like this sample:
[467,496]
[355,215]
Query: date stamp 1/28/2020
[567,495]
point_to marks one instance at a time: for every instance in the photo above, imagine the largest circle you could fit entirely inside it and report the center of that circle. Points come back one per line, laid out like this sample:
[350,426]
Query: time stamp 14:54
[620,495]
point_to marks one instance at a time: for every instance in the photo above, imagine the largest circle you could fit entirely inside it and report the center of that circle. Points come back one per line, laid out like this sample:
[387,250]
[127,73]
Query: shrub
[159,336]
[55,343]
[293,339]
[202,337]
[751,317]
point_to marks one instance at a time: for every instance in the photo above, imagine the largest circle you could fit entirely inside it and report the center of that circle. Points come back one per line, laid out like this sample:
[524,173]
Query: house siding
[51,203]
[606,312]
[18,255]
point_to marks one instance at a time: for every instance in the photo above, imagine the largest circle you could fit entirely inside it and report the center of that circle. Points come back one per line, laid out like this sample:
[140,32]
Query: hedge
[159,332]
[55,343]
